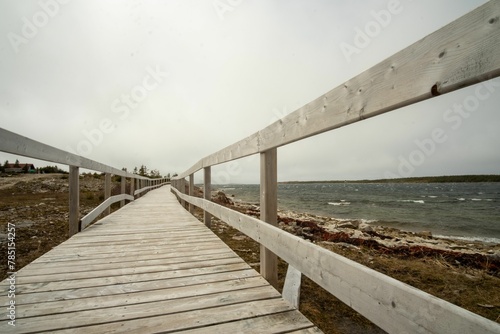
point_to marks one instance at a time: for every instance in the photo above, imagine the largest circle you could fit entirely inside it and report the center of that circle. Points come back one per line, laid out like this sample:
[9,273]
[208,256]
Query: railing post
[207,194]
[269,211]
[123,180]
[132,184]
[182,185]
[107,191]
[191,192]
[74,200]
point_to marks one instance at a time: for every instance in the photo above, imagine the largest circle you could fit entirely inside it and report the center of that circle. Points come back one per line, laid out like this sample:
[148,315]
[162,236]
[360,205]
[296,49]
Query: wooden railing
[11,142]
[463,53]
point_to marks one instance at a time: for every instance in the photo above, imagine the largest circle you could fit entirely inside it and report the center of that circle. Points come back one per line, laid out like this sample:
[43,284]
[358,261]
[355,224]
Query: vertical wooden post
[182,185]
[207,193]
[132,184]
[191,192]
[123,182]
[74,200]
[107,191]
[269,211]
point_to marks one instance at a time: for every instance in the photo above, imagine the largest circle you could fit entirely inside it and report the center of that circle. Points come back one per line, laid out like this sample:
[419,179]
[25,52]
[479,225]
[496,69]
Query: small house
[20,168]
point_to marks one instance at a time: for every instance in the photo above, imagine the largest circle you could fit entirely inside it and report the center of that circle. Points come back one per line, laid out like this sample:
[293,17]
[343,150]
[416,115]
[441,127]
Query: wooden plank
[96,269]
[71,293]
[392,305]
[273,323]
[198,310]
[185,276]
[98,256]
[125,271]
[74,200]
[92,261]
[269,211]
[128,295]
[201,313]
[460,54]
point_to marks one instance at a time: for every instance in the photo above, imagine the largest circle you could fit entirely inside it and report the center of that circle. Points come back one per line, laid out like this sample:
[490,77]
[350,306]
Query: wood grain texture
[148,267]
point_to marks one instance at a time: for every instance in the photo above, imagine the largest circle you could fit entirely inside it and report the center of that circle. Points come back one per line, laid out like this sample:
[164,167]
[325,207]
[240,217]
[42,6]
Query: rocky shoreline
[355,234]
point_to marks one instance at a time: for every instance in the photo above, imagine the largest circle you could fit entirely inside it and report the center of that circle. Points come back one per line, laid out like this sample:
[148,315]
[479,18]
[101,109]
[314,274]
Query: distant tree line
[144,171]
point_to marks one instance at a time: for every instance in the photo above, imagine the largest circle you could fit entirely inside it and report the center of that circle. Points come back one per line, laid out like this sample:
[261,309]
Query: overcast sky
[165,83]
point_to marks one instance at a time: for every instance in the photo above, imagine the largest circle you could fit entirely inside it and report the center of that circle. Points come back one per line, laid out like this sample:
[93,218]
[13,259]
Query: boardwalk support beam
[269,211]
[74,200]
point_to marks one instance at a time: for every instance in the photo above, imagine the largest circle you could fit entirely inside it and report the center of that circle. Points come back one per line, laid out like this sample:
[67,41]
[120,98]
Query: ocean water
[469,211]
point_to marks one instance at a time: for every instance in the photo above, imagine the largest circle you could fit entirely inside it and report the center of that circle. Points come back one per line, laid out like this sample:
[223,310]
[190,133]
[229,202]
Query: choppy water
[463,210]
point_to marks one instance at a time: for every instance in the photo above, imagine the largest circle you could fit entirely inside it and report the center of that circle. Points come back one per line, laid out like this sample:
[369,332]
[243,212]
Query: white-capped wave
[476,199]
[342,202]
[461,199]
[419,201]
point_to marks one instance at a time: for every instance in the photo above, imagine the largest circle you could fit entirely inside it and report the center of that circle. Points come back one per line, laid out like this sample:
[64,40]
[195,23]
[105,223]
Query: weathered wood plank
[274,323]
[97,269]
[196,310]
[185,276]
[21,279]
[70,265]
[128,295]
[69,290]
[124,255]
[390,304]
[238,308]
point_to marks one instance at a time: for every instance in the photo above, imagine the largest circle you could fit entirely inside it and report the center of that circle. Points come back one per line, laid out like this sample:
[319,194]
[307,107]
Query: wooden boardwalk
[149,267]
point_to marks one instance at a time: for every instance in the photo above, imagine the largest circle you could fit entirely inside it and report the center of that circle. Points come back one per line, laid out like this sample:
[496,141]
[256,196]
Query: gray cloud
[227,79]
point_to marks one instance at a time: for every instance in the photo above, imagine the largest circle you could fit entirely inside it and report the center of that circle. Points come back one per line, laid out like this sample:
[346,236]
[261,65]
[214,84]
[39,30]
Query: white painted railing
[11,142]
[463,53]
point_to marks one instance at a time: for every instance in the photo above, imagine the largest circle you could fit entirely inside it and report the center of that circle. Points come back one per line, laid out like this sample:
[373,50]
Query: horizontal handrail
[89,218]
[390,304]
[11,142]
[460,54]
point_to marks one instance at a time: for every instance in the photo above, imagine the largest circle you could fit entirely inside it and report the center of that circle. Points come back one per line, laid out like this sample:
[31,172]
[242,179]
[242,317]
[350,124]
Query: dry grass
[40,213]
